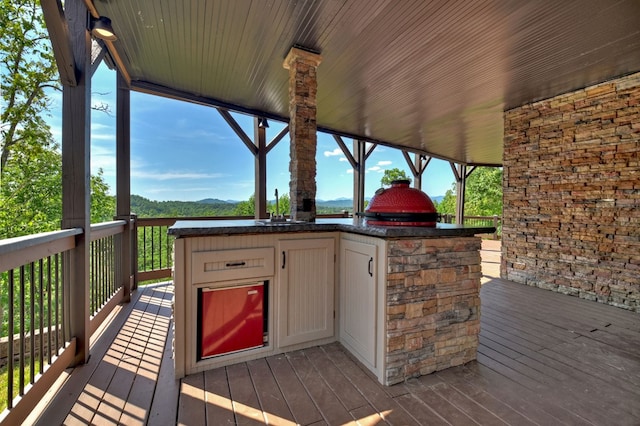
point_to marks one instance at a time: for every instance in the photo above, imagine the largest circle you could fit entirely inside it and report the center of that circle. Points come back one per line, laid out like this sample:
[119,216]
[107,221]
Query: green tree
[448,203]
[30,193]
[483,195]
[30,161]
[246,208]
[284,205]
[103,205]
[27,67]
[393,174]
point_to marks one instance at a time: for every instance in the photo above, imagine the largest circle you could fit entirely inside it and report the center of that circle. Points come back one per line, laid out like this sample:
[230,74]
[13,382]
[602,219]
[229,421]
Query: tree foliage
[483,196]
[30,161]
[144,207]
[27,67]
[248,208]
[393,174]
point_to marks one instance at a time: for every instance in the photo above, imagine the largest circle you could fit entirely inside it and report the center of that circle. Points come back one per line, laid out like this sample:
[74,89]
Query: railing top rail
[159,221]
[18,251]
[483,217]
[105,229]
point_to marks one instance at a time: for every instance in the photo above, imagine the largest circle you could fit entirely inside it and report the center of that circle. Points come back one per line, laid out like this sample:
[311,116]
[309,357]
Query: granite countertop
[198,228]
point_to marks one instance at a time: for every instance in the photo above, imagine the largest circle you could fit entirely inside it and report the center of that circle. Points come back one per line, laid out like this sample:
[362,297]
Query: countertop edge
[187,229]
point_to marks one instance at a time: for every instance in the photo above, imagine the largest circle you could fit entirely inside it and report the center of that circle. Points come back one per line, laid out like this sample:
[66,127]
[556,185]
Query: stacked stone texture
[433,305]
[572,193]
[302,68]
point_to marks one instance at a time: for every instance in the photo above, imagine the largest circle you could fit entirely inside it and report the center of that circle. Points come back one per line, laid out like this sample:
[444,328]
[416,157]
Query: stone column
[303,85]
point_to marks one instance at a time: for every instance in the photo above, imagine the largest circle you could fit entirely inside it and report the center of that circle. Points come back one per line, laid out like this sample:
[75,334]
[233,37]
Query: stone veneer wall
[433,305]
[571,220]
[303,90]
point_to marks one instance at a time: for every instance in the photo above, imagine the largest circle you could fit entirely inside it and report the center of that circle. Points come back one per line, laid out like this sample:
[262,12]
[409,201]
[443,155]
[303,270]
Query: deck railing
[35,331]
[36,344]
[495,221]
[105,266]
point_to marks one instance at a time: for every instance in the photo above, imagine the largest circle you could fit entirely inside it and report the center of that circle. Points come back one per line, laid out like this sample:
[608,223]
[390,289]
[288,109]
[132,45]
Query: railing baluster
[63,304]
[22,330]
[32,323]
[113,268]
[144,245]
[49,310]
[153,262]
[10,354]
[41,317]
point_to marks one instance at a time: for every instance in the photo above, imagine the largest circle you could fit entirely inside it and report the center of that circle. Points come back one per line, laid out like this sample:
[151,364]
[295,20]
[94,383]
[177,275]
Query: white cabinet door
[358,299]
[305,290]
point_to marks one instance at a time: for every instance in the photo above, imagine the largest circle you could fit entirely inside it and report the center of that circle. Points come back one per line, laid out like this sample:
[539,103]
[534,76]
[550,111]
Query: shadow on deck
[544,358]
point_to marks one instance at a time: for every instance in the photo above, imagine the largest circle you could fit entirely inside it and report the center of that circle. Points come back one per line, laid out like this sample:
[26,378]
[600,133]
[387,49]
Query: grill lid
[400,205]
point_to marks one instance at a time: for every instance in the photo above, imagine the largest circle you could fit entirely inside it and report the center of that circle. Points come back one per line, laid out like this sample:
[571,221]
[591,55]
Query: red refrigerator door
[232,319]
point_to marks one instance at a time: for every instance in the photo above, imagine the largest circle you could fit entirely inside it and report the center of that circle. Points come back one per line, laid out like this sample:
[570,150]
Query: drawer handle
[230,264]
[370,269]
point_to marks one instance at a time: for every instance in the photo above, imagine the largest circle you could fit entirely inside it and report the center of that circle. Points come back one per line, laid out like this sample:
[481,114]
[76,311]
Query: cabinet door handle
[235,264]
[370,267]
[284,259]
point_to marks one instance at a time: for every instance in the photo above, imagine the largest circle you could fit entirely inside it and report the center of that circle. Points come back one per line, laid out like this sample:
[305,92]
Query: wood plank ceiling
[428,76]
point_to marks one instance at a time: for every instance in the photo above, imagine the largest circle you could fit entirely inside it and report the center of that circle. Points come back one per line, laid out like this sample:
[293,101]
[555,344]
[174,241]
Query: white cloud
[342,159]
[349,171]
[169,175]
[333,153]
[374,169]
[100,126]
[385,163]
[103,137]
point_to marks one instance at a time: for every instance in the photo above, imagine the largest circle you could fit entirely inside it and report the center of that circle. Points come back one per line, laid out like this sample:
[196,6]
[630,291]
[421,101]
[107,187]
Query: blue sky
[187,152]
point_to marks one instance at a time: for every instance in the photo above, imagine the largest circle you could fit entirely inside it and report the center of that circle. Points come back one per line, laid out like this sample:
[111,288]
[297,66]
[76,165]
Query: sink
[267,222]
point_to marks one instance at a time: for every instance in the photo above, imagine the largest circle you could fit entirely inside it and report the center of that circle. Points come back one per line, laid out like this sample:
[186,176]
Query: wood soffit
[431,77]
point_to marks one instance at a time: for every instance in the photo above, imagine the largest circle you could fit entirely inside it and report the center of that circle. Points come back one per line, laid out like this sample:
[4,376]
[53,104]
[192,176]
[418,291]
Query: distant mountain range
[338,202]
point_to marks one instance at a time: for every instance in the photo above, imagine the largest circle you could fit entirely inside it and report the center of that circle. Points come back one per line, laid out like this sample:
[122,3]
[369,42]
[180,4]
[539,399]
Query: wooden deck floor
[544,358]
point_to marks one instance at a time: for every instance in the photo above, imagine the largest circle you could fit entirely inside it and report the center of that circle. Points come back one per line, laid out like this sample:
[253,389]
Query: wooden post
[461,174]
[123,185]
[260,140]
[76,172]
[358,175]
[461,186]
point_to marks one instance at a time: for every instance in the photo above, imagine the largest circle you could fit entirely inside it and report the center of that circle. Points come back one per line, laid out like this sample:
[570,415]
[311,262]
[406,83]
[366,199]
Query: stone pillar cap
[301,54]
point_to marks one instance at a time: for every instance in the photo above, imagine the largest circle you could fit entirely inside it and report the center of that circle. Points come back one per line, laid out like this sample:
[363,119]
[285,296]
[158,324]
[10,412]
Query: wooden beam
[60,42]
[238,130]
[370,150]
[345,151]
[97,55]
[284,132]
[412,167]
[118,61]
[76,172]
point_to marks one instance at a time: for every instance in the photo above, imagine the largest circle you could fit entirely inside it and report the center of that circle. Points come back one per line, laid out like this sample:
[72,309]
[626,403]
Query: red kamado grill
[400,205]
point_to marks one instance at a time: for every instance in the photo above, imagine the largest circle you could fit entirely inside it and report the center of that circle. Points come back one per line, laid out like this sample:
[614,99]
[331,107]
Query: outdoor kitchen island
[403,300]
